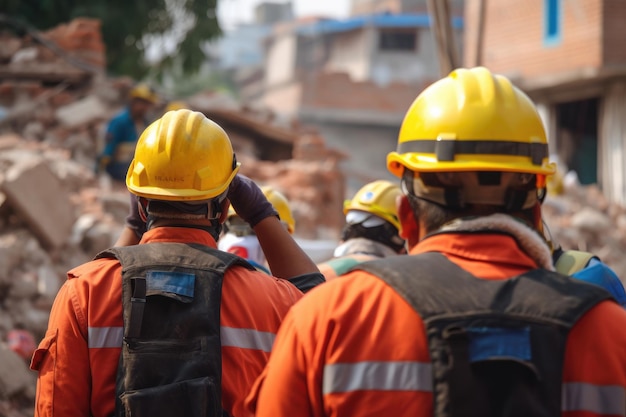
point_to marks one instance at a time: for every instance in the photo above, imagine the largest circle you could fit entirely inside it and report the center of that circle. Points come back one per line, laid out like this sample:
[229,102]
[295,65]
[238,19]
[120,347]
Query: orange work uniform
[354,347]
[78,358]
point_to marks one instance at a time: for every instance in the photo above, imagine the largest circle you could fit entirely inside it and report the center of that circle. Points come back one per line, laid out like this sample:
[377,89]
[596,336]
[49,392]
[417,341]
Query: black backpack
[171,360]
[496,346]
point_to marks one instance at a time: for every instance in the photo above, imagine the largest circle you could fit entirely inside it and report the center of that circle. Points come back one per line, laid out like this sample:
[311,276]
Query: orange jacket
[78,358]
[354,347]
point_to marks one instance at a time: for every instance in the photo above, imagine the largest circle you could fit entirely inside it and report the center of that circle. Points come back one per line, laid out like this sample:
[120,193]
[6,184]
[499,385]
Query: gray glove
[248,200]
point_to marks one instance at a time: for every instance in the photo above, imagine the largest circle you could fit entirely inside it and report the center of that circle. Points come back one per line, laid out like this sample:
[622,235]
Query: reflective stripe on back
[112,337]
[380,376]
[417,376]
[599,399]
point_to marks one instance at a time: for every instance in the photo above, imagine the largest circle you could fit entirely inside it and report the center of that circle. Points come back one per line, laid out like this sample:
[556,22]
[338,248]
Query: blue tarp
[379,21]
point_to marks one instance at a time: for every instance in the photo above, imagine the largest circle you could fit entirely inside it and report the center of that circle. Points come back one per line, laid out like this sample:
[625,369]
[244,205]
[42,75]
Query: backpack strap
[128,254]
[435,286]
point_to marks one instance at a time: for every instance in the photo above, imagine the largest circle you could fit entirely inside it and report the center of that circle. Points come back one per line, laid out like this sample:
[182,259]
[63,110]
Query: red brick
[592,37]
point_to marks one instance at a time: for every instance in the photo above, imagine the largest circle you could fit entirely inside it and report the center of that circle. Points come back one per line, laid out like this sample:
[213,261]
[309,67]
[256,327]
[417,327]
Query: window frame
[552,15]
[386,47]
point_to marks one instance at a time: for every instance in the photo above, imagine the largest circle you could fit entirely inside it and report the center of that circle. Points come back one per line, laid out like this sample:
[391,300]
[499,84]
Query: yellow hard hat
[377,198]
[176,105]
[554,184]
[280,203]
[144,92]
[472,120]
[183,156]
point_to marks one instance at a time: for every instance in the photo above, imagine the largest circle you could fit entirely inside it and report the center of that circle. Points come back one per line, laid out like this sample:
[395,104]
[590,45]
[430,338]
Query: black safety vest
[496,346]
[171,360]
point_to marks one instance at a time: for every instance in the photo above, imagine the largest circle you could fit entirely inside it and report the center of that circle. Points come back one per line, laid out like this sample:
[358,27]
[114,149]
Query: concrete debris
[38,195]
[15,378]
[83,112]
[590,220]
[45,198]
[582,219]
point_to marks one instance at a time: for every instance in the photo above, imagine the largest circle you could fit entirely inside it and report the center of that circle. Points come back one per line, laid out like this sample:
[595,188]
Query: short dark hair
[386,234]
[435,216]
[160,210]
[172,211]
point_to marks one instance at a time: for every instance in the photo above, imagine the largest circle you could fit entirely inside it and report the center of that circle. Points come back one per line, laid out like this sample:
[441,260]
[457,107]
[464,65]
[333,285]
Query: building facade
[353,80]
[569,57]
[364,7]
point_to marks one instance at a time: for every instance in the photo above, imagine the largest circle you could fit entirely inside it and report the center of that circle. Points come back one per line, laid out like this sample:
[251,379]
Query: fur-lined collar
[528,240]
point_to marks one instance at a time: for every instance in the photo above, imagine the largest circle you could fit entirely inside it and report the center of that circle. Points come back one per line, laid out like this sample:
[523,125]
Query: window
[552,22]
[397,40]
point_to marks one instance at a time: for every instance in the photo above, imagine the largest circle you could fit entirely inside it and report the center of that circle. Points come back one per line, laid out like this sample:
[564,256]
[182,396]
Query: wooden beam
[439,11]
[42,74]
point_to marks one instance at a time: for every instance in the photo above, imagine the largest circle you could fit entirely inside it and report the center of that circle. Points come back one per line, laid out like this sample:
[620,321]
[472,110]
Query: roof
[380,21]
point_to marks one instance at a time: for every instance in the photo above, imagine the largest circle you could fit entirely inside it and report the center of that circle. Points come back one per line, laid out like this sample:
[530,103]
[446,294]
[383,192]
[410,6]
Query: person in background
[240,239]
[123,131]
[371,230]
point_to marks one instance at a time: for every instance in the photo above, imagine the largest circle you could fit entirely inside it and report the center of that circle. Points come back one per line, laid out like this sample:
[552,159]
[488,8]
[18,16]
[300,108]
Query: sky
[232,12]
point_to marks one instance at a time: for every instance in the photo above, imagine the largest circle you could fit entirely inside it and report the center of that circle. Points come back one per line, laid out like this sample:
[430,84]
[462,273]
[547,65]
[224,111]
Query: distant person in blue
[123,131]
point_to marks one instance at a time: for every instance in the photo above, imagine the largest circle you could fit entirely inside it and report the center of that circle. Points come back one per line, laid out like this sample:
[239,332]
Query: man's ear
[409,226]
[224,214]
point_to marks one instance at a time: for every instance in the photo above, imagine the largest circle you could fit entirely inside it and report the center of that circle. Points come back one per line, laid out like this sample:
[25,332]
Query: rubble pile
[52,86]
[311,181]
[581,218]
[53,216]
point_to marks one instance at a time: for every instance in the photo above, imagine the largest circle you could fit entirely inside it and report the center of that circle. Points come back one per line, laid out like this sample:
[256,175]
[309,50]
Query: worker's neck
[160,222]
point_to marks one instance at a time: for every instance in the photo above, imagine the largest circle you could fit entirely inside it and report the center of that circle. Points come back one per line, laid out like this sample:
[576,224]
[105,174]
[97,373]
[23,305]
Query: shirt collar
[492,247]
[178,235]
[497,238]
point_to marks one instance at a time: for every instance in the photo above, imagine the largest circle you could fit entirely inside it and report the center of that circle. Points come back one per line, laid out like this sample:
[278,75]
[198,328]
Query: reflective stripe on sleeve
[380,376]
[247,338]
[598,399]
[112,337]
[105,337]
